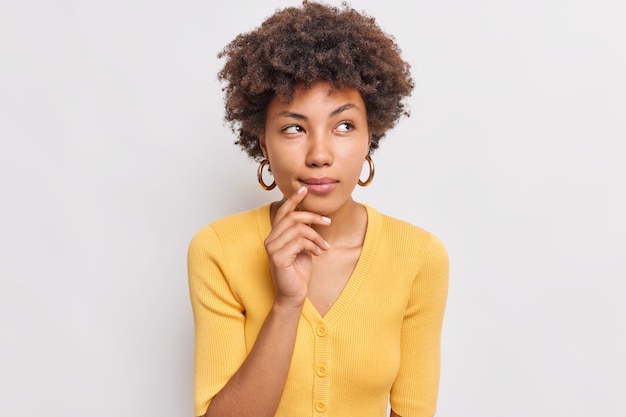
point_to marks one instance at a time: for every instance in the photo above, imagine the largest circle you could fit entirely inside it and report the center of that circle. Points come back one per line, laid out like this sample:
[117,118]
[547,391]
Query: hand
[290,247]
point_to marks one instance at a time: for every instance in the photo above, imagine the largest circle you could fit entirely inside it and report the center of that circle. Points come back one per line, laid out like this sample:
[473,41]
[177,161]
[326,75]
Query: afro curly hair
[299,46]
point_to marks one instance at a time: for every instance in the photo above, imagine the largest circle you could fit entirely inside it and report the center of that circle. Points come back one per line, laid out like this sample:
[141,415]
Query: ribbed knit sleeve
[414,393]
[218,318]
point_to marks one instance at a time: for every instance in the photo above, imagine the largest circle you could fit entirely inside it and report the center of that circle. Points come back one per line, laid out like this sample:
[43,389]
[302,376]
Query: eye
[344,127]
[293,129]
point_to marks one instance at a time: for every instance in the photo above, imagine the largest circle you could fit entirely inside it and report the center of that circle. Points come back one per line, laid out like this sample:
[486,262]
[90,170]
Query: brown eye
[293,129]
[345,127]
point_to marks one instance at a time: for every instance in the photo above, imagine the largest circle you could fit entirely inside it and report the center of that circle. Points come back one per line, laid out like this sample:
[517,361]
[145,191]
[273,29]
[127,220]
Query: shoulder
[402,243]
[407,247]
[229,231]
[400,233]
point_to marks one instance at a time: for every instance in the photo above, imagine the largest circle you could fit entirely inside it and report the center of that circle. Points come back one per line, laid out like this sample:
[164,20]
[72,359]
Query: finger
[291,203]
[298,217]
[285,256]
[296,232]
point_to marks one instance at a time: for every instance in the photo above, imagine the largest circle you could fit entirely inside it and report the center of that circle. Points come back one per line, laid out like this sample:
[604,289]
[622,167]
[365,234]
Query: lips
[320,185]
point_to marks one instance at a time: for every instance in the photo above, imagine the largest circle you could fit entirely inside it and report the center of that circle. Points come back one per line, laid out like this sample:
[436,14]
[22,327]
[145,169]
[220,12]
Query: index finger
[291,203]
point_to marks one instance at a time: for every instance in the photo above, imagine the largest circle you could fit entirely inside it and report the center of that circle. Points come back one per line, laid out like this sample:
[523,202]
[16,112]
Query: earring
[259,175]
[369,179]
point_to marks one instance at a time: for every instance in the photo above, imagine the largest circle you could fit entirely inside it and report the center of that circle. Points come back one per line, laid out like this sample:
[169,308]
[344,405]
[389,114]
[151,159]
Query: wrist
[288,307]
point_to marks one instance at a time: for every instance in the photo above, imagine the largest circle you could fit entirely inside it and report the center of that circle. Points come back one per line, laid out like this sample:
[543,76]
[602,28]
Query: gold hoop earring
[259,176]
[370,178]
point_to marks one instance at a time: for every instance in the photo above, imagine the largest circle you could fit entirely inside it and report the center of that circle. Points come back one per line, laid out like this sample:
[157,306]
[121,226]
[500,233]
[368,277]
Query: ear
[262,145]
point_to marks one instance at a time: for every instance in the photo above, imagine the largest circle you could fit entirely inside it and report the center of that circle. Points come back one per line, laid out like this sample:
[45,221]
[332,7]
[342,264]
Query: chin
[322,206]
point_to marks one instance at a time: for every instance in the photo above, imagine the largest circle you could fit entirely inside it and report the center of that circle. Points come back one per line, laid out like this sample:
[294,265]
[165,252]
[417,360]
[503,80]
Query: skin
[316,145]
[319,137]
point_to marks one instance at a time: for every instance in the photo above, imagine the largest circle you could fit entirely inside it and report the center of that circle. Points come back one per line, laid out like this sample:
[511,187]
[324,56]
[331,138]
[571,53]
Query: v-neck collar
[358,276]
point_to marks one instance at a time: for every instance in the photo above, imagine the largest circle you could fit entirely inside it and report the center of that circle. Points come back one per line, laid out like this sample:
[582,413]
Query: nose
[320,152]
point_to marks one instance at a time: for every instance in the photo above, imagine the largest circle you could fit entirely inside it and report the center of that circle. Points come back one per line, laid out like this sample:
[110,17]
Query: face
[319,140]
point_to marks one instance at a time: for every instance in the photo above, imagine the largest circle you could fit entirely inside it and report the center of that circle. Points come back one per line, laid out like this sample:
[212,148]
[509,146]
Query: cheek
[355,156]
[354,166]
[282,166]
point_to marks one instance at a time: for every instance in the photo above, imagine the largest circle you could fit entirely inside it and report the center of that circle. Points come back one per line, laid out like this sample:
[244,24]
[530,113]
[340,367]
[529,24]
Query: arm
[254,387]
[414,393]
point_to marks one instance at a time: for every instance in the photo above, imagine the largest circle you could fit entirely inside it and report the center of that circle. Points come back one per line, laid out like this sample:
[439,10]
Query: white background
[113,154]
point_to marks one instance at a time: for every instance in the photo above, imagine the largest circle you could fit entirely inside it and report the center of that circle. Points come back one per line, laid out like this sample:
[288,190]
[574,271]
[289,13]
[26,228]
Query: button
[321,370]
[321,330]
[320,406]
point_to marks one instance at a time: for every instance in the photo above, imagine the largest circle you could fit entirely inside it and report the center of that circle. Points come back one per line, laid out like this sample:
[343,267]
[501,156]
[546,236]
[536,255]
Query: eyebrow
[334,113]
[343,108]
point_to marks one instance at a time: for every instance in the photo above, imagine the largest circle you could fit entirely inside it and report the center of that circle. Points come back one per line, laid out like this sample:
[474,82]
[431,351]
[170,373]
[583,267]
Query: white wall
[113,153]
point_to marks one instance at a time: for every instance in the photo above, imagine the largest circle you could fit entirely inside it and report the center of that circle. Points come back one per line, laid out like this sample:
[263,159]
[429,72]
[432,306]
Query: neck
[347,227]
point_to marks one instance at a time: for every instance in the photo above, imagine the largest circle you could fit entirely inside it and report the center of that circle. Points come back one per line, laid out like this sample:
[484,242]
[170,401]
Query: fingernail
[325,219]
[301,189]
[327,245]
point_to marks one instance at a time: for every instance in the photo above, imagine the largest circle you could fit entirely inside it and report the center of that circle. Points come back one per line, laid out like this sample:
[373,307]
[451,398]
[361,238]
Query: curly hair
[299,46]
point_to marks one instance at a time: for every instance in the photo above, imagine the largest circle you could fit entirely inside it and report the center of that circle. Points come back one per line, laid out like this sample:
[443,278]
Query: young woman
[315,305]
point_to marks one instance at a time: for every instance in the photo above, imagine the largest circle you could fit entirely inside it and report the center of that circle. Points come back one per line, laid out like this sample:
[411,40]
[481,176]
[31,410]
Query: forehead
[320,96]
